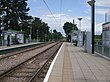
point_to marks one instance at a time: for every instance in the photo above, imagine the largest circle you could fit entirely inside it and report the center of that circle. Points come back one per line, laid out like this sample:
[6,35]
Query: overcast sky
[67,10]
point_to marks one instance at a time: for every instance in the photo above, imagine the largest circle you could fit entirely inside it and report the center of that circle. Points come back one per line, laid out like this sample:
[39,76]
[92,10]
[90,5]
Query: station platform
[19,45]
[11,48]
[72,64]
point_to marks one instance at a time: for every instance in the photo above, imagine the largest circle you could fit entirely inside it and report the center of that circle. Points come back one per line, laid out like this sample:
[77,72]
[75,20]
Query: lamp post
[80,23]
[92,4]
[20,24]
[44,37]
[37,35]
[105,17]
[2,28]
[30,34]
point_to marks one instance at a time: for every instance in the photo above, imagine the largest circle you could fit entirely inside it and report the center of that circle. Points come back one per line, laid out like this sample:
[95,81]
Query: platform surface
[72,64]
[19,45]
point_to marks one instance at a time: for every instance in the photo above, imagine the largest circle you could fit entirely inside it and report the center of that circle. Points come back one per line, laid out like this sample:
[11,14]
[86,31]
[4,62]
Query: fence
[104,50]
[0,42]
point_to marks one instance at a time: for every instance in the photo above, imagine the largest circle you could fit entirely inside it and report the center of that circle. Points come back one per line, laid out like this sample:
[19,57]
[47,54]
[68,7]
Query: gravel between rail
[12,61]
[27,69]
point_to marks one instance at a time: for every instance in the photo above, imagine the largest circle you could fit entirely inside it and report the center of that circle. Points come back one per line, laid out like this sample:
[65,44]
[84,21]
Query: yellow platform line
[67,67]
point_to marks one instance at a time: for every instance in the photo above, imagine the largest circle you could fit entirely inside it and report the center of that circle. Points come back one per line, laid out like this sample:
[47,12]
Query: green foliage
[16,11]
[98,38]
[75,27]
[35,27]
[43,31]
[68,27]
[57,35]
[16,18]
[54,31]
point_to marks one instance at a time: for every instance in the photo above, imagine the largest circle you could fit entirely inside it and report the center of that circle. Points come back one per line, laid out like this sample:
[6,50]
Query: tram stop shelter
[77,38]
[12,37]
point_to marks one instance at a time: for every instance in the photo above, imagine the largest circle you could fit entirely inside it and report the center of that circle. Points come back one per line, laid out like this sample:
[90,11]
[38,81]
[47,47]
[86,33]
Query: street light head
[2,28]
[79,19]
[91,2]
[3,12]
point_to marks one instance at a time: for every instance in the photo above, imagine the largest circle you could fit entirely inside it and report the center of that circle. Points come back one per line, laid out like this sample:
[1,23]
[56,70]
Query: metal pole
[93,23]
[80,23]
[30,32]
[21,27]
[45,37]
[105,17]
[73,25]
[92,4]
[37,35]
[2,30]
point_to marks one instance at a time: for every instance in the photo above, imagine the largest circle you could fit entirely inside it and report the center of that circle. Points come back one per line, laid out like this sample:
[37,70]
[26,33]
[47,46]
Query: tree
[35,27]
[16,11]
[40,29]
[43,31]
[57,35]
[68,27]
[75,27]
[98,38]
[54,31]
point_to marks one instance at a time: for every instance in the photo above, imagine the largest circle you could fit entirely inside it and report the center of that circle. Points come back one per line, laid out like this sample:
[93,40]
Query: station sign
[106,34]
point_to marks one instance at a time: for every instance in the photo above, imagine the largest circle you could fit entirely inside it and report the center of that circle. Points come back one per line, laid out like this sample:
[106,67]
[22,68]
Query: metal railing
[103,50]
[0,42]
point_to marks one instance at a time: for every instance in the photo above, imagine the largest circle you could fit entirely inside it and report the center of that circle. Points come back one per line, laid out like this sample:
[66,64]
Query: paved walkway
[74,65]
[19,45]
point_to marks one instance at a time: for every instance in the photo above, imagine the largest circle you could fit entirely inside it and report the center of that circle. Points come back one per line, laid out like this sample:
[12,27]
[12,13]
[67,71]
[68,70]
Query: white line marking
[51,66]
[102,56]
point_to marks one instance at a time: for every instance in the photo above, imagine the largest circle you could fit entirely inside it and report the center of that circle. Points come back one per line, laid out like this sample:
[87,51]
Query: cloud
[56,21]
[98,28]
[69,10]
[60,19]
[104,3]
[102,6]
[102,10]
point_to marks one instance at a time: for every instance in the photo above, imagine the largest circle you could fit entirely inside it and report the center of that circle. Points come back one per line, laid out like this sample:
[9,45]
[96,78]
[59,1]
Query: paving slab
[73,64]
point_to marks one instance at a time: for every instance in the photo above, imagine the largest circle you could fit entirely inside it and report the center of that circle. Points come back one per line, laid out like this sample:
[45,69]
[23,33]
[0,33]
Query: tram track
[12,61]
[31,64]
[3,56]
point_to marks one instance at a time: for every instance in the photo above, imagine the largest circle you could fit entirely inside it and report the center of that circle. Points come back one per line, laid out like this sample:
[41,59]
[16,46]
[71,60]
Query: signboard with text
[106,34]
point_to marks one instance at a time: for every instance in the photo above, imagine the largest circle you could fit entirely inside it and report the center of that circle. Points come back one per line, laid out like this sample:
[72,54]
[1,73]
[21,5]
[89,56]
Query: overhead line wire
[50,11]
[60,11]
[61,14]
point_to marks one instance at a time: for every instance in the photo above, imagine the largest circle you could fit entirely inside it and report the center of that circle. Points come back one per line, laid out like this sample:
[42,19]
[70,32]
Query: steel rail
[43,66]
[13,68]
[23,51]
